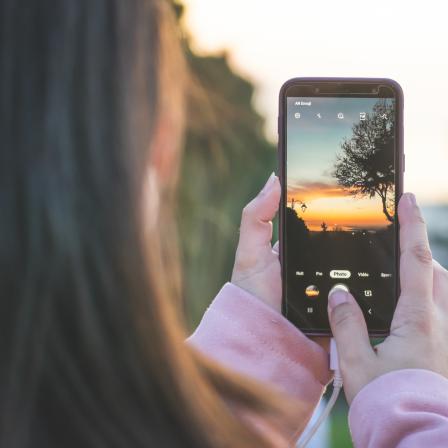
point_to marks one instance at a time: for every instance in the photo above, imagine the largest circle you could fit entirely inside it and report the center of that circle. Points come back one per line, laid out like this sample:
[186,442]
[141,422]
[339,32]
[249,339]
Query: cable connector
[334,364]
[337,386]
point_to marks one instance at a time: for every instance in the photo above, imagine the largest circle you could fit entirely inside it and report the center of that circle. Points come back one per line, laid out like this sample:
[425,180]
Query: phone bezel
[339,87]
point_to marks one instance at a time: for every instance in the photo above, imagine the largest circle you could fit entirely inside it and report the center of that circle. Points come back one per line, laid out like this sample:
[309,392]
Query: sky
[270,42]
[312,146]
[312,142]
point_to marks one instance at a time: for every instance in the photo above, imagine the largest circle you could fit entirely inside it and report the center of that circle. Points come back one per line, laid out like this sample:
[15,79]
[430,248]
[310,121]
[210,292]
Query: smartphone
[341,166]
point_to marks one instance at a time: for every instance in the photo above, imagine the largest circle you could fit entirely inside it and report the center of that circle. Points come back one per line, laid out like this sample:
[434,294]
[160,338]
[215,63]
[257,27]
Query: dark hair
[91,352]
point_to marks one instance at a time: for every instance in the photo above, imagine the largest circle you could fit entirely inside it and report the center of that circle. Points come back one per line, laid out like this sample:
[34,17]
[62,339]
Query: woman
[92,350]
[91,347]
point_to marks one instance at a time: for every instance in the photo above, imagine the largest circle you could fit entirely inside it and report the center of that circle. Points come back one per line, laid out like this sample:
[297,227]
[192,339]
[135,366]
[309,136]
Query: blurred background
[239,55]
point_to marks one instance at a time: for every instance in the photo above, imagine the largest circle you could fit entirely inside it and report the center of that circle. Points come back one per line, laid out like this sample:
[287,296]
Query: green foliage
[226,161]
[339,431]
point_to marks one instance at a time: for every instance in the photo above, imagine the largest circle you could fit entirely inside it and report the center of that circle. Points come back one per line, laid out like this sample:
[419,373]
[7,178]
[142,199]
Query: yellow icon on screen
[312,291]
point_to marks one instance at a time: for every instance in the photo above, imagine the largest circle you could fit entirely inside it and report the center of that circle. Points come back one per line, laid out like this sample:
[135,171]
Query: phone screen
[339,207]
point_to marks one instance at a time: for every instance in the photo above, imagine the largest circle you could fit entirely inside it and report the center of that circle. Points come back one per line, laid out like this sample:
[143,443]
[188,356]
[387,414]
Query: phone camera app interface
[340,207]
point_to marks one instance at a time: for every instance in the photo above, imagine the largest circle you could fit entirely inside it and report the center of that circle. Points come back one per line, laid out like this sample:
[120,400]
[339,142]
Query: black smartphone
[341,165]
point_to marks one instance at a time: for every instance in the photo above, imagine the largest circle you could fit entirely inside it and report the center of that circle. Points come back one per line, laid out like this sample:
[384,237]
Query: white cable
[337,386]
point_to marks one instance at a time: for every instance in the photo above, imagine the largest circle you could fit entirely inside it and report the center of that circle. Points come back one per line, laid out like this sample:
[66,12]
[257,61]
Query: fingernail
[337,297]
[268,184]
[410,199]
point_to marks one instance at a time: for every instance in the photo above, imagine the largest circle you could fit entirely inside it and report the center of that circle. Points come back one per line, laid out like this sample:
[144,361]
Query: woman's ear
[166,143]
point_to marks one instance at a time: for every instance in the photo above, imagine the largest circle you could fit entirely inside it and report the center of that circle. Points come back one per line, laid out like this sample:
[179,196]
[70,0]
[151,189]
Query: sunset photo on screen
[341,163]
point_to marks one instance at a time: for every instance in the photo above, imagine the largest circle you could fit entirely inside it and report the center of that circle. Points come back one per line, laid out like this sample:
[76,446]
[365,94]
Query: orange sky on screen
[337,208]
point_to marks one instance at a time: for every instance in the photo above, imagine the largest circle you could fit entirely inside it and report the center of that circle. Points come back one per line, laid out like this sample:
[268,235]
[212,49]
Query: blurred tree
[366,165]
[227,159]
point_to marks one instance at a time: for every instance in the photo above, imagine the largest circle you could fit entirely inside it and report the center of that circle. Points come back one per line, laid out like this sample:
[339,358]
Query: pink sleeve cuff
[405,408]
[248,336]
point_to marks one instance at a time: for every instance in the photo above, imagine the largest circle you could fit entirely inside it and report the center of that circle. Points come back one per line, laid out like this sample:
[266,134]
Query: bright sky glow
[270,42]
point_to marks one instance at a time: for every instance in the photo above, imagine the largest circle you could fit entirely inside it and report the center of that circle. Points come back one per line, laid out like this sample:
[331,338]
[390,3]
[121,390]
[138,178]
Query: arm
[401,409]
[250,337]
[244,329]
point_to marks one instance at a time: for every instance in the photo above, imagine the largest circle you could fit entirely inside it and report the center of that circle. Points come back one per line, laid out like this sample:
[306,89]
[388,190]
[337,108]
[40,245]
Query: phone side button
[404,162]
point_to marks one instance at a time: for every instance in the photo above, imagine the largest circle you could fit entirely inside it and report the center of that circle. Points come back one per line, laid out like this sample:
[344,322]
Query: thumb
[256,225]
[349,328]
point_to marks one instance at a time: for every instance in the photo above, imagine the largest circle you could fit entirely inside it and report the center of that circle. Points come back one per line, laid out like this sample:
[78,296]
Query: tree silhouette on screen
[366,165]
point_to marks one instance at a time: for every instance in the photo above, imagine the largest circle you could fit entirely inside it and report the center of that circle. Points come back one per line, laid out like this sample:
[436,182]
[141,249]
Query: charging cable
[337,386]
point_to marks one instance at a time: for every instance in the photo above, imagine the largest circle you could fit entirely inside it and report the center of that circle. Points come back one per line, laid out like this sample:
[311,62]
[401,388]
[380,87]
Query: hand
[257,266]
[420,325]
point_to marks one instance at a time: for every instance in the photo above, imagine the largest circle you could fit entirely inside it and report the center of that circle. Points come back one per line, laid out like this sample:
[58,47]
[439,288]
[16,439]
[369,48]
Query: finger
[440,285]
[416,269]
[256,225]
[349,329]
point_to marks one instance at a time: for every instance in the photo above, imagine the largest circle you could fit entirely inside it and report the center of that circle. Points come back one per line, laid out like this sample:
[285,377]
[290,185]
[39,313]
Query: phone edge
[399,162]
